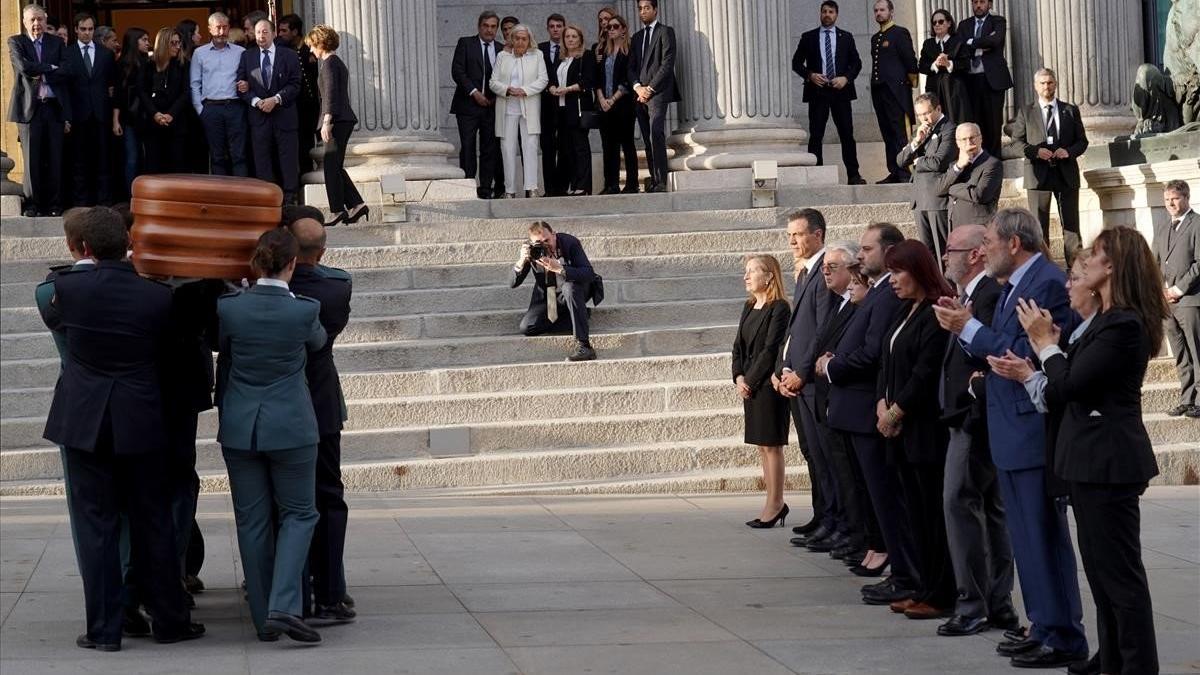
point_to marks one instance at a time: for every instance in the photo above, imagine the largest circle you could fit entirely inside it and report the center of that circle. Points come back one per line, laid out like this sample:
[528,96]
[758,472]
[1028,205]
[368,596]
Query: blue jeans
[261,482]
[225,127]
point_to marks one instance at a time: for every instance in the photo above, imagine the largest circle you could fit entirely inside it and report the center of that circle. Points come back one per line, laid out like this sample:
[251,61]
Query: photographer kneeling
[563,279]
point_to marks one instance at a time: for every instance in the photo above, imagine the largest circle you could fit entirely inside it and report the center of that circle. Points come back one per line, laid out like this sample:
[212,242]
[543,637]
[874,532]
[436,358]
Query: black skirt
[766,417]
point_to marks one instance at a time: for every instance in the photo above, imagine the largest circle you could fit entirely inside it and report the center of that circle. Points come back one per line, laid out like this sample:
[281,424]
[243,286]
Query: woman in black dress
[945,61]
[337,123]
[909,417]
[761,333]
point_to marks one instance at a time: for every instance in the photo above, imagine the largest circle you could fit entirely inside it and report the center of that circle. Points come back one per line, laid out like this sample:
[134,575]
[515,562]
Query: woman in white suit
[518,80]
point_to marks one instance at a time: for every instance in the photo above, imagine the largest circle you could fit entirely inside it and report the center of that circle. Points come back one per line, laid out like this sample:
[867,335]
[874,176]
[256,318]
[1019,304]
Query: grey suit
[268,435]
[974,191]
[930,160]
[1178,254]
[811,308]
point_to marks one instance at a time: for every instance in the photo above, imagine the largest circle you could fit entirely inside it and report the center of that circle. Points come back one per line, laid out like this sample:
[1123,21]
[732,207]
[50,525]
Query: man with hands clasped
[563,283]
[269,82]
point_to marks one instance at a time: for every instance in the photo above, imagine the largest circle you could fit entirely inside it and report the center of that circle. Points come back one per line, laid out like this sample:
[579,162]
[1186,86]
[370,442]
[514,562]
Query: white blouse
[516,80]
[563,67]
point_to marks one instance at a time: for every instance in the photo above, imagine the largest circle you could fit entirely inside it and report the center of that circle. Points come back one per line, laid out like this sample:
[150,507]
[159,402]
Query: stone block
[449,441]
[10,205]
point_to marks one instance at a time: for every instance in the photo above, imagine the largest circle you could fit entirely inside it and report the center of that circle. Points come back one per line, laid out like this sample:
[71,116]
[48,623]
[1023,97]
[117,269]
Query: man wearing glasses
[973,181]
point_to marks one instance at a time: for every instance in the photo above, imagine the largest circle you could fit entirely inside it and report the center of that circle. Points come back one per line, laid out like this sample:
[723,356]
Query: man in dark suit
[980,550]
[107,412]
[973,181]
[41,107]
[269,83]
[989,77]
[1177,248]
[893,73]
[652,71]
[931,153]
[1049,133]
[827,60]
[852,369]
[474,106]
[332,287]
[91,66]
[1041,540]
[794,374]
[563,277]
[308,103]
[552,54]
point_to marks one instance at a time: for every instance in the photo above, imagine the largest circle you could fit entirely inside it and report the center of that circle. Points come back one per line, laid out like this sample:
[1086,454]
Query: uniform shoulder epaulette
[60,268]
[306,298]
[333,273]
[232,294]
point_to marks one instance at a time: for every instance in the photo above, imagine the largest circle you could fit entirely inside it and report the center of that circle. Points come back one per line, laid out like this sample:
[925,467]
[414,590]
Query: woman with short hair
[518,79]
[337,121]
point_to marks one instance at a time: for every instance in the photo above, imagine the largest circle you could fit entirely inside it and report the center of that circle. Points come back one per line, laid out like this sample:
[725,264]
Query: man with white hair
[41,108]
[974,180]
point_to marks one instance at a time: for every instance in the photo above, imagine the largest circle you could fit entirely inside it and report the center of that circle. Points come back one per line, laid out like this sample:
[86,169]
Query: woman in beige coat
[518,80]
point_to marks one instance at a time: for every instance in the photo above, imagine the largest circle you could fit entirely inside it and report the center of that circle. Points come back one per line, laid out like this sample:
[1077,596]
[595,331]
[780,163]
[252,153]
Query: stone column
[734,67]
[390,49]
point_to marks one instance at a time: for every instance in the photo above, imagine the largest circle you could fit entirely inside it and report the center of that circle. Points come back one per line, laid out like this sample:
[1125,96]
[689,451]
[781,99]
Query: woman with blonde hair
[603,16]
[571,83]
[518,79]
[166,98]
[614,98]
[760,335]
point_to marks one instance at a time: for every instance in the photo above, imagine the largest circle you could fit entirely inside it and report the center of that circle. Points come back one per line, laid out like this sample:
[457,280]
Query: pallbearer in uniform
[893,71]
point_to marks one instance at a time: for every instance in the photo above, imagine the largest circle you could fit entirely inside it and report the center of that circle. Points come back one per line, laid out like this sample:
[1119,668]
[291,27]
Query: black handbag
[588,119]
[596,292]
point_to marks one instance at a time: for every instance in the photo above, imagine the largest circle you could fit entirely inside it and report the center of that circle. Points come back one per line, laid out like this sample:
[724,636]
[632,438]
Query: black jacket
[115,324]
[846,63]
[191,340]
[991,41]
[582,71]
[857,357]
[285,81]
[333,79]
[89,94]
[755,359]
[469,72]
[656,67]
[576,268]
[893,60]
[1028,133]
[831,332]
[950,86]
[1098,386]
[166,91]
[332,287]
[960,406]
[53,66]
[908,377]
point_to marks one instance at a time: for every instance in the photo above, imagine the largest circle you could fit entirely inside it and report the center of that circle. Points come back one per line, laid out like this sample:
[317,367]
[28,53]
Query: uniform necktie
[266,69]
[1051,127]
[87,59]
[43,88]
[829,69]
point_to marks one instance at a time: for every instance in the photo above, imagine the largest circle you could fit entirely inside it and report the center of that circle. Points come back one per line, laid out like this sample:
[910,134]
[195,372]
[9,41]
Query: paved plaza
[555,584]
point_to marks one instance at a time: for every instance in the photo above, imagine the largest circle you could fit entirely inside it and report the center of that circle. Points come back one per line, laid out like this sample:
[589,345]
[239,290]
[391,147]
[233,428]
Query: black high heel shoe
[362,212]
[780,518]
[339,217]
[861,571]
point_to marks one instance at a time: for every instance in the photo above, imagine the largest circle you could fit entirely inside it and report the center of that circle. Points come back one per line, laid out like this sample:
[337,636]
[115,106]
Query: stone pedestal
[1130,195]
[735,72]
[10,193]
[390,49]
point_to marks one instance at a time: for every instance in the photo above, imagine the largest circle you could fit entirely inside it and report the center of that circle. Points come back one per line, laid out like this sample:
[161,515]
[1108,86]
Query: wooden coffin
[200,226]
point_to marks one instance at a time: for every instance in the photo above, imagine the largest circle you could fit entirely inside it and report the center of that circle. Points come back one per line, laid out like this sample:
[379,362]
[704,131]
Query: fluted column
[390,49]
[735,70]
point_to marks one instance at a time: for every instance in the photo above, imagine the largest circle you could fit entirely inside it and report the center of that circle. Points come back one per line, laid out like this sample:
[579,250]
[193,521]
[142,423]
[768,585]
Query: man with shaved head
[980,550]
[332,287]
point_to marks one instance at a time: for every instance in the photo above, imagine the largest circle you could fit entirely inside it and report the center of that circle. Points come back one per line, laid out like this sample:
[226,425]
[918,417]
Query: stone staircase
[443,393]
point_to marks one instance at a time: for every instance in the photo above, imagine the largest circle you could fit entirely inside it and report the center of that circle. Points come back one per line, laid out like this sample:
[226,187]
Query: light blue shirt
[214,73]
[973,324]
[1035,386]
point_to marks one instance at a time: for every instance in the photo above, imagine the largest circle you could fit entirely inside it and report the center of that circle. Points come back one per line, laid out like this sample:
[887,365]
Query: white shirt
[813,260]
[516,80]
[254,100]
[974,283]
[563,67]
[267,281]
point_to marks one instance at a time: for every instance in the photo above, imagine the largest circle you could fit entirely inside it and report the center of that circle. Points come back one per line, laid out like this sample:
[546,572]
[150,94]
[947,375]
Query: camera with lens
[537,251]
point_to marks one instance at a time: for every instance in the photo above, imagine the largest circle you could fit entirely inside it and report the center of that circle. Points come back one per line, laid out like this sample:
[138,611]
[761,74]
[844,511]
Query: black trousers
[572,313]
[616,137]
[826,505]
[275,146]
[987,107]
[652,120]
[887,499]
[42,149]
[88,143]
[326,553]
[338,186]
[1183,333]
[922,485]
[574,152]
[309,117]
[166,148]
[554,177]
[103,486]
[1108,521]
[820,106]
[893,127]
[479,150]
[932,228]
[858,518]
[1068,214]
[185,489]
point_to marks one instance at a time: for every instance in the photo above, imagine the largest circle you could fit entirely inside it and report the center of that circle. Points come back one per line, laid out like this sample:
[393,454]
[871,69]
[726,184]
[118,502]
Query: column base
[415,158]
[735,148]
[743,178]
[1103,128]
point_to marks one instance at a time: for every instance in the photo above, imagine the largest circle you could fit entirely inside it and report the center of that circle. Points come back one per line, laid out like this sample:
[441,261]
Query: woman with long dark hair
[946,62]
[909,417]
[614,98]
[165,96]
[129,117]
[1102,450]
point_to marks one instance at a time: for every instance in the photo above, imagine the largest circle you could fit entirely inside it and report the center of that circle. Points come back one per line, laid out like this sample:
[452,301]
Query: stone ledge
[725,179]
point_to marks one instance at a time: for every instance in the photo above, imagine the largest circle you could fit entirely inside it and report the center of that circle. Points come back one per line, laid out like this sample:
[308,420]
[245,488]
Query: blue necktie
[266,69]
[977,61]
[1004,295]
[829,69]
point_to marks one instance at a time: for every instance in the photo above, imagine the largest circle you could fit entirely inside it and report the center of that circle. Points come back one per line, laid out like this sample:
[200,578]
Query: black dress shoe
[1046,657]
[610,191]
[1089,667]
[959,625]
[807,528]
[1179,410]
[888,598]
[189,632]
[87,643]
[1013,634]
[816,535]
[888,180]
[30,212]
[54,213]
[1194,413]
[134,623]
[834,541]
[583,352]
[631,190]
[849,551]
[657,188]
[1018,647]
[347,600]
[292,626]
[268,636]
[856,180]
[1006,621]
[333,614]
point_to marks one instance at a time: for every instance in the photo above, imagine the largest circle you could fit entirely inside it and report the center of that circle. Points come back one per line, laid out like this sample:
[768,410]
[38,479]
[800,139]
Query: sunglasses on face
[938,22]
[615,26]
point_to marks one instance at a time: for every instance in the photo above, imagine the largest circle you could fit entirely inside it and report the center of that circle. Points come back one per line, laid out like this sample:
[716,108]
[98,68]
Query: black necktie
[1004,293]
[487,66]
[1051,127]
[646,41]
[87,59]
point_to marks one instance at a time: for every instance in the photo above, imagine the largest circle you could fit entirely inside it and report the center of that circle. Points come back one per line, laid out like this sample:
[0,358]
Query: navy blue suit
[853,373]
[276,130]
[1041,539]
[91,121]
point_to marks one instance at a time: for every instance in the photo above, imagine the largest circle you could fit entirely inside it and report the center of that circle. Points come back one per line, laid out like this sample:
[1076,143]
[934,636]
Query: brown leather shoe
[921,610]
[901,606]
